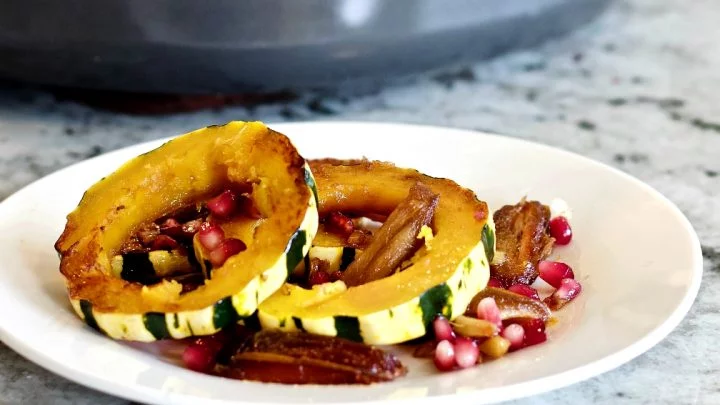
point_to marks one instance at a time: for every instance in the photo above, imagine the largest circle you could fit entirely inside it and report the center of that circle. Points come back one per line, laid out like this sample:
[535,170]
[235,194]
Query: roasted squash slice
[399,307]
[187,169]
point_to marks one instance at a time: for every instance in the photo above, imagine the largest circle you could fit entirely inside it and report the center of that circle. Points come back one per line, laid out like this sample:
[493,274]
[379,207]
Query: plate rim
[506,392]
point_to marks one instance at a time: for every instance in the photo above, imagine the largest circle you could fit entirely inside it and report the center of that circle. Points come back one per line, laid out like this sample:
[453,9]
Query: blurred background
[231,47]
[631,83]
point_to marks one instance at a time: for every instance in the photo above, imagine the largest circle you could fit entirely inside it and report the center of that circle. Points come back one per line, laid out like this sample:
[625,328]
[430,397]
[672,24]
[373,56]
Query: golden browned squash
[441,280]
[187,169]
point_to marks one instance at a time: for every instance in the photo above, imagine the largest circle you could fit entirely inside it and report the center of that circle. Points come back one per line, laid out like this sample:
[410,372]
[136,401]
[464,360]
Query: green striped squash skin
[147,267]
[411,319]
[153,326]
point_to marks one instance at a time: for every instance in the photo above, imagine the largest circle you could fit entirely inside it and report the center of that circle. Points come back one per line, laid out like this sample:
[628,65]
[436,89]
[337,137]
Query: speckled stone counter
[638,89]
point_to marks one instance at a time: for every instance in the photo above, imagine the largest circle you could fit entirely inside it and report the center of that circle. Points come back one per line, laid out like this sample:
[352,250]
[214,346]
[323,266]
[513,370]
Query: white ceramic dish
[637,256]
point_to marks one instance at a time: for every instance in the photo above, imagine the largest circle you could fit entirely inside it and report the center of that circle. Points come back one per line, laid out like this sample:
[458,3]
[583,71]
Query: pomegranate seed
[444,356]
[488,310]
[534,331]
[568,290]
[515,334]
[228,247]
[215,341]
[466,352]
[199,357]
[336,275]
[525,290]
[340,223]
[211,236]
[318,277]
[442,329]
[493,282]
[223,205]
[560,230]
[553,272]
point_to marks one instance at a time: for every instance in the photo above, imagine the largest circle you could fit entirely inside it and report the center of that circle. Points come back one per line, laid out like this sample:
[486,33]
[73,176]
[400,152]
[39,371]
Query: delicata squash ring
[399,307]
[188,169]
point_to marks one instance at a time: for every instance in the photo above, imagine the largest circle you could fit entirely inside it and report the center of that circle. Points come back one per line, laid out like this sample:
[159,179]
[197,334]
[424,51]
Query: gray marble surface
[638,89]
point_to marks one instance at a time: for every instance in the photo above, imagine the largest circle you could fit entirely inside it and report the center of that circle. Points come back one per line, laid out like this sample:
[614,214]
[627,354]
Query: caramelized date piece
[511,305]
[302,358]
[338,162]
[186,213]
[359,239]
[425,350]
[522,241]
[396,240]
[133,245]
[148,234]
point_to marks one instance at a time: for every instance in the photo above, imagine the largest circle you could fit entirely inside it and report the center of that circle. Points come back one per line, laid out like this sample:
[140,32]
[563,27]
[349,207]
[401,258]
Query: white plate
[637,256]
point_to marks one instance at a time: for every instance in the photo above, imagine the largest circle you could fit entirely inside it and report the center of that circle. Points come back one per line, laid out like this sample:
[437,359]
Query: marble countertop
[637,89]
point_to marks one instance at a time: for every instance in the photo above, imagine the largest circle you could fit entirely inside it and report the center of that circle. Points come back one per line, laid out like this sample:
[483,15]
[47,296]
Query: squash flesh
[377,188]
[189,168]
[364,188]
